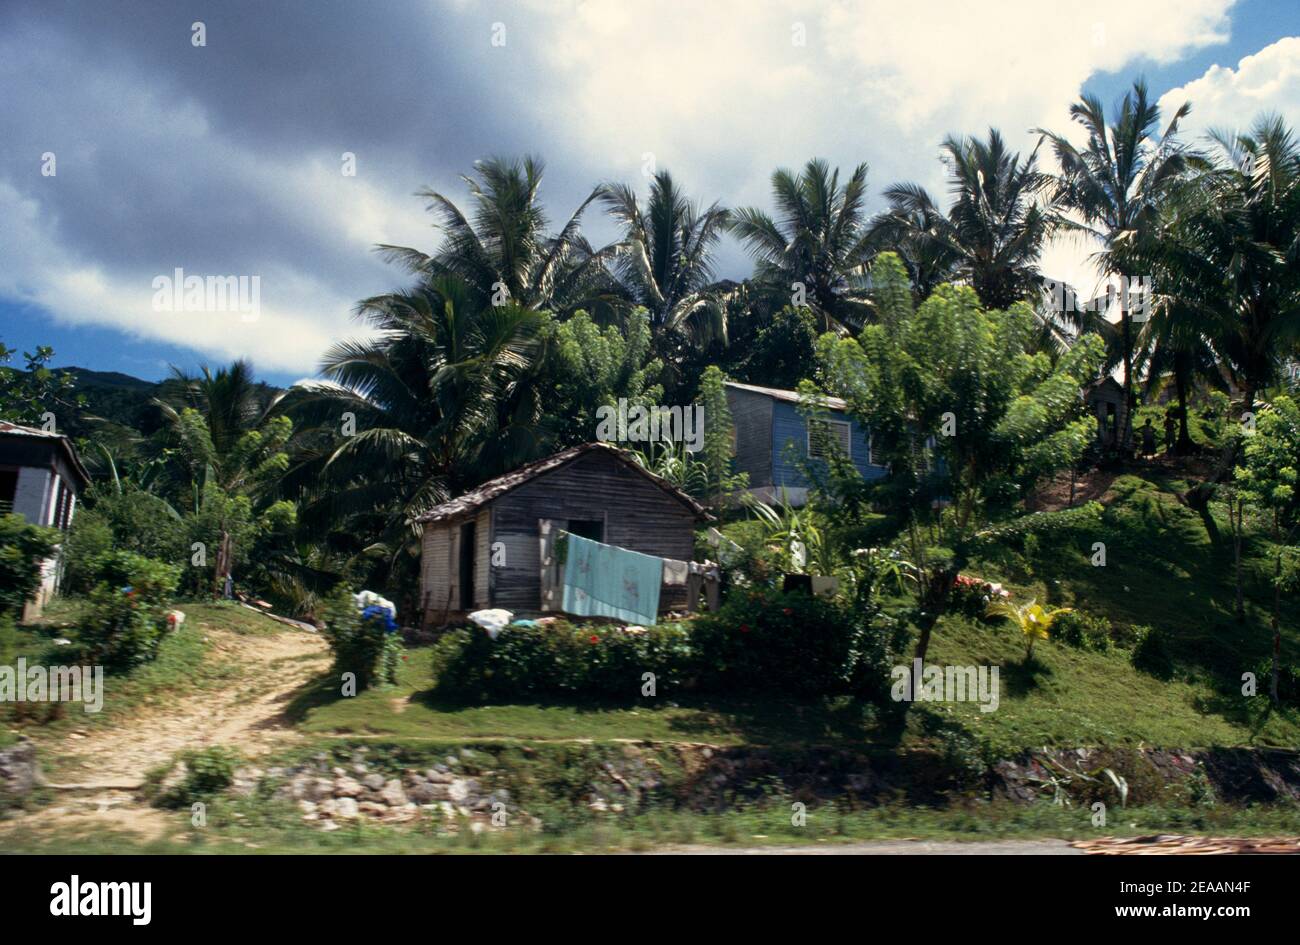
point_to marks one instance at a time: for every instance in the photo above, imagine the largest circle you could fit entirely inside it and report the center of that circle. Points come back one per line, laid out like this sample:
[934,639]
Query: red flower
[788,611]
[744,628]
[594,638]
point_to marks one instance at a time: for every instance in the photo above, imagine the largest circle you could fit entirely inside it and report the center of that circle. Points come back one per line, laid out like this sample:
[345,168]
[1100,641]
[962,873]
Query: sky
[130,150]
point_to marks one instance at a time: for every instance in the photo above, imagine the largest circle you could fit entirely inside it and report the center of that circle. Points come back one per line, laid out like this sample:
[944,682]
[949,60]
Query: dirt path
[100,771]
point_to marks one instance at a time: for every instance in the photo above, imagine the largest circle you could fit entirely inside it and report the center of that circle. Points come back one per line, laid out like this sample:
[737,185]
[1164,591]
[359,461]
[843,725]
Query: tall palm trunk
[1130,399]
[1184,445]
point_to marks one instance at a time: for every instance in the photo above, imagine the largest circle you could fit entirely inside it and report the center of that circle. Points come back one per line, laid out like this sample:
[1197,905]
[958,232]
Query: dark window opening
[589,528]
[8,489]
[467,547]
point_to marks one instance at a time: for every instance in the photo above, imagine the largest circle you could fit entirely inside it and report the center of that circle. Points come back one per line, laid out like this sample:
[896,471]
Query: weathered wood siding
[638,515]
[751,414]
[483,559]
[436,583]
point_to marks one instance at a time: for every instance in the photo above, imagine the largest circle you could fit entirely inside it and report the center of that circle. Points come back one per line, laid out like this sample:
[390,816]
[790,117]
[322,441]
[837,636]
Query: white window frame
[848,439]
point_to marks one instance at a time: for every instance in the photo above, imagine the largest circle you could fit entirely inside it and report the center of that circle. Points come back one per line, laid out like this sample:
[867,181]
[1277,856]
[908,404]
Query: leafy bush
[795,644]
[208,771]
[90,537]
[1288,681]
[23,549]
[1083,631]
[129,520]
[364,642]
[1152,653]
[972,596]
[8,639]
[561,660]
[127,619]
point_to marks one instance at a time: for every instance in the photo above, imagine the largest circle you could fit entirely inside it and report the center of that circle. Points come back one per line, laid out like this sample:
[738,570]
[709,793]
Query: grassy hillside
[1163,570]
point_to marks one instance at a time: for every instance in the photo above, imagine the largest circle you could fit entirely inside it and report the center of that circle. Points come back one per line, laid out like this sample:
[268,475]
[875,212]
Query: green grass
[245,827]
[1162,570]
[182,666]
[411,710]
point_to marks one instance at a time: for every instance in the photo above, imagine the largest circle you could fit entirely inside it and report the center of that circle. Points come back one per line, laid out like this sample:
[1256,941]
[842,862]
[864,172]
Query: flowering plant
[972,596]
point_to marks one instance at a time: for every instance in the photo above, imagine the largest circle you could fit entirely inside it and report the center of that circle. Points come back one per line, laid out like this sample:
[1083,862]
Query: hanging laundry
[676,572]
[604,581]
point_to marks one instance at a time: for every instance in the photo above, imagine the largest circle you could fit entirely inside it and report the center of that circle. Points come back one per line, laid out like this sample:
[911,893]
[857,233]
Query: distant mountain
[114,396]
[108,379]
[123,399]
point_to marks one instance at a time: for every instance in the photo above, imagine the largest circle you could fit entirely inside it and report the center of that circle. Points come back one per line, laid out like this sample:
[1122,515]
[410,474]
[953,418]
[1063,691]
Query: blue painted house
[771,437]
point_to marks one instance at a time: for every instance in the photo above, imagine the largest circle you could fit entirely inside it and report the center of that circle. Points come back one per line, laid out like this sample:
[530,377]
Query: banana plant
[1033,620]
[803,545]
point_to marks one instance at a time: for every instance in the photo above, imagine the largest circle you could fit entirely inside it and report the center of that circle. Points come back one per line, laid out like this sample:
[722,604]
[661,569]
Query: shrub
[1288,681]
[207,771]
[561,660]
[127,619]
[972,596]
[1083,631]
[365,642]
[1151,652]
[795,644]
[8,639]
[23,550]
[135,521]
[90,537]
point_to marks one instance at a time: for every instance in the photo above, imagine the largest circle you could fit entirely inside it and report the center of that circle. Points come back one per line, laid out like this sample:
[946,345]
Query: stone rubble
[328,795]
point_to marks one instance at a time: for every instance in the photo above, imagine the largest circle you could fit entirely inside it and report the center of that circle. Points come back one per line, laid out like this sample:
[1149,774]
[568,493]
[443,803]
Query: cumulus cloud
[225,159]
[1230,99]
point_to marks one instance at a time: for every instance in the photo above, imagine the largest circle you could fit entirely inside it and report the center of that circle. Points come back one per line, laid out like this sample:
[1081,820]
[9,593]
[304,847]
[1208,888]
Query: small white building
[41,477]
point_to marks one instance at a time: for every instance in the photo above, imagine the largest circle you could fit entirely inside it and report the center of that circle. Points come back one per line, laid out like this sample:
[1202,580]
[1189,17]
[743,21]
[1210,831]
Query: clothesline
[601,580]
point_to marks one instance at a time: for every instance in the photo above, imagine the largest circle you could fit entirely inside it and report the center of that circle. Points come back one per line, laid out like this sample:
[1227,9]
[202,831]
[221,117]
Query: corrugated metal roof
[493,488]
[834,403]
[14,429]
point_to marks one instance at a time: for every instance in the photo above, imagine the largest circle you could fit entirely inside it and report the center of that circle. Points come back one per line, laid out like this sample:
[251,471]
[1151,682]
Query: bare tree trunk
[1277,628]
[1130,401]
[1184,445]
[1235,515]
[1276,617]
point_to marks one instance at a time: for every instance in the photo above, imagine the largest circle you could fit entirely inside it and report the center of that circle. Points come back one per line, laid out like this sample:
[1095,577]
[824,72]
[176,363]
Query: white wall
[32,495]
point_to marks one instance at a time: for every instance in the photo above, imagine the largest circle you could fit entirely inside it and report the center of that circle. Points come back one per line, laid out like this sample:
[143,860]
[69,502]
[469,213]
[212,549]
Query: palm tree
[1173,343]
[504,249]
[1248,225]
[664,261]
[915,228]
[1115,185]
[993,233]
[819,241]
[229,399]
[1228,257]
[430,406]
[219,426]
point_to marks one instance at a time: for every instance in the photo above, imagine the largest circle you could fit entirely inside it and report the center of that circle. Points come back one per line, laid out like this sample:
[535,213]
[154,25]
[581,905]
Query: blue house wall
[789,426]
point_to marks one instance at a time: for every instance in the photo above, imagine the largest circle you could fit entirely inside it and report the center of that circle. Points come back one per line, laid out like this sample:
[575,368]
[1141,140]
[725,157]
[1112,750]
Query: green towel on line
[604,581]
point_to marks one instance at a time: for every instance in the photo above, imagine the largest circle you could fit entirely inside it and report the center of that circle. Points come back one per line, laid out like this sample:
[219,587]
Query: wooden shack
[1106,402]
[485,548]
